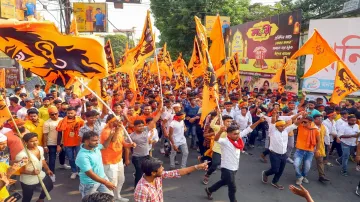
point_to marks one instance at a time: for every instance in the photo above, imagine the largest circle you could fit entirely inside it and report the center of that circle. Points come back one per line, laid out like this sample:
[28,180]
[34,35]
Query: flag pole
[28,155]
[107,106]
[158,68]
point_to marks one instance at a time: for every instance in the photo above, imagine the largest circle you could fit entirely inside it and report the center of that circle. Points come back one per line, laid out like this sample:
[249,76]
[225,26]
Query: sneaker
[329,164]
[344,173]
[208,193]
[205,180]
[305,180]
[122,200]
[357,191]
[66,167]
[52,178]
[162,150]
[358,168]
[73,176]
[299,181]
[264,178]
[289,160]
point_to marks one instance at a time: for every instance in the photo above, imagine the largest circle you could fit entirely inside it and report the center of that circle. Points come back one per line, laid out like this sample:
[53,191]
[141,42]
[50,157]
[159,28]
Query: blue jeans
[71,153]
[88,189]
[52,157]
[305,157]
[346,152]
[191,129]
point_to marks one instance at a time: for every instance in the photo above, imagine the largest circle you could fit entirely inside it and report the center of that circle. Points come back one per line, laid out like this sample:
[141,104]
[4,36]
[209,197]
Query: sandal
[205,180]
[208,193]
[277,186]
[264,178]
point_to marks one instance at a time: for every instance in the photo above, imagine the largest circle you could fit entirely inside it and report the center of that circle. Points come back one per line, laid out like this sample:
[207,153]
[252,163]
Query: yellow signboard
[209,22]
[7,9]
[91,17]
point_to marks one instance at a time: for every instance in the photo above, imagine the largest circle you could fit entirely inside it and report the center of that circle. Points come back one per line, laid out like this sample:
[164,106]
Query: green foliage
[118,43]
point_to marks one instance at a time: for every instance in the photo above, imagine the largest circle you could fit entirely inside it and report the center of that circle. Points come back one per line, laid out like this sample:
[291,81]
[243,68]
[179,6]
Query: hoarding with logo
[91,17]
[343,35]
[7,9]
[210,20]
[263,44]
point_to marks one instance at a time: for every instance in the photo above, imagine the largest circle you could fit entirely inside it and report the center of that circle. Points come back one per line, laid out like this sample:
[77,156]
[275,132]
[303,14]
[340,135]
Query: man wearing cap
[50,138]
[231,146]
[278,133]
[22,113]
[43,111]
[35,125]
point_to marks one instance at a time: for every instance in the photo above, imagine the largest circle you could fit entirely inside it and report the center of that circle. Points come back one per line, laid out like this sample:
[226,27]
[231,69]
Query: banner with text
[91,17]
[343,35]
[263,44]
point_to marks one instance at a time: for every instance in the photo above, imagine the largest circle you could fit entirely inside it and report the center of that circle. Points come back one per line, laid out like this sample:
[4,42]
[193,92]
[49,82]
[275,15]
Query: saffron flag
[280,76]
[232,72]
[201,35]
[57,58]
[196,65]
[210,94]
[345,83]
[73,27]
[217,49]
[323,54]
[179,64]
[109,56]
[143,50]
[168,65]
[145,73]
[4,111]
[2,78]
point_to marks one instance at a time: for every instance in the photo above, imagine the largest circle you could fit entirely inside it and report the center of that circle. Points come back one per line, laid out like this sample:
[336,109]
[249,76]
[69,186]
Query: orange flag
[197,64]
[57,58]
[280,76]
[323,54]
[202,36]
[179,64]
[217,49]
[345,83]
[2,78]
[4,112]
[143,50]
[109,56]
[210,91]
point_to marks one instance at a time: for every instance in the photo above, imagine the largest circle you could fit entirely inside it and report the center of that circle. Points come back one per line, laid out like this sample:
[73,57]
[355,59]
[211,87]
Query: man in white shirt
[166,118]
[339,123]
[22,113]
[231,147]
[228,110]
[279,136]
[178,140]
[243,119]
[348,134]
[330,124]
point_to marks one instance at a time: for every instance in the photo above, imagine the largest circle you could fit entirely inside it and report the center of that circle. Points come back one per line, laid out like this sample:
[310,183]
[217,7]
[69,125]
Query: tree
[175,19]
[118,43]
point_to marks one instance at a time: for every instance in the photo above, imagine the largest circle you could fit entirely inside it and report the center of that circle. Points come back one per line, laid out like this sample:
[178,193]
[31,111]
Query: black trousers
[227,178]
[136,160]
[215,162]
[278,163]
[336,146]
[28,190]
[266,152]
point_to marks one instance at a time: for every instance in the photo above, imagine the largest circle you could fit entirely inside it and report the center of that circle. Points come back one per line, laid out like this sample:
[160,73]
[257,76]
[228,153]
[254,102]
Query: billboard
[263,44]
[91,17]
[12,77]
[7,9]
[343,35]
[210,20]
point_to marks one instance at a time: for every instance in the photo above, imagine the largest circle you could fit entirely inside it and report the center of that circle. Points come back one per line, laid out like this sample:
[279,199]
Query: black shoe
[323,179]
[208,193]
[264,178]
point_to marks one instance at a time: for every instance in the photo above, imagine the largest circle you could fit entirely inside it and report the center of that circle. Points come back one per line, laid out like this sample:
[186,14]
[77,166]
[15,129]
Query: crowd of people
[95,144]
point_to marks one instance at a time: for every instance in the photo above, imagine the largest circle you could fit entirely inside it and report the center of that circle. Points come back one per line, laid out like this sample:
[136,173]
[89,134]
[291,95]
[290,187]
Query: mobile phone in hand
[13,197]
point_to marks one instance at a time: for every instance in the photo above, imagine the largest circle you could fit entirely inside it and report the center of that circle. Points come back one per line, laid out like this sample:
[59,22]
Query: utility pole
[68,11]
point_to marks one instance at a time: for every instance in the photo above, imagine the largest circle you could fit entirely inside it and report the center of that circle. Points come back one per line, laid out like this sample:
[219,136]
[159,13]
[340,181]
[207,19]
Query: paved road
[249,186]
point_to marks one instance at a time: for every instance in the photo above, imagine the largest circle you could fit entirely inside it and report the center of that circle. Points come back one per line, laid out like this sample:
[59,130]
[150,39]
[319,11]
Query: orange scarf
[72,124]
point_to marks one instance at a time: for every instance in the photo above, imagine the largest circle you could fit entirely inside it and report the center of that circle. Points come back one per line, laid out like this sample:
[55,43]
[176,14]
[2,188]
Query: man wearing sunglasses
[308,138]
[50,137]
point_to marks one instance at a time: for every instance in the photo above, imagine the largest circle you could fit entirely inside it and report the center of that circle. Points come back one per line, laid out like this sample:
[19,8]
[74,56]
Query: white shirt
[339,124]
[331,127]
[50,128]
[5,130]
[279,140]
[243,121]
[348,130]
[327,134]
[31,179]
[22,113]
[230,155]
[168,117]
[231,113]
[178,132]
